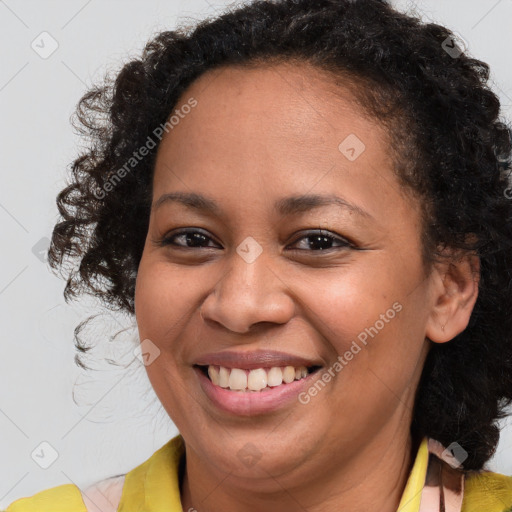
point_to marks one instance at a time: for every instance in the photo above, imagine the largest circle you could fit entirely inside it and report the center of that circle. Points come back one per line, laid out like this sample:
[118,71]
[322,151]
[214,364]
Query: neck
[373,480]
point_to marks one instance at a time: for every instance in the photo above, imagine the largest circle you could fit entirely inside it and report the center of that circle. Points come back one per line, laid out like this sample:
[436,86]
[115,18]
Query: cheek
[164,297]
[369,317]
[343,302]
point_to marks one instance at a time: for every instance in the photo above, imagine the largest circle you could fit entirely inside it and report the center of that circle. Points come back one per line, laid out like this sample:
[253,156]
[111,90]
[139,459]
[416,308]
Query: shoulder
[103,496]
[159,471]
[56,499]
[487,491]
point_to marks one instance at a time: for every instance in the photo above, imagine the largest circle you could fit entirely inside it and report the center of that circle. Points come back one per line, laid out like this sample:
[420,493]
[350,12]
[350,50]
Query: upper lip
[254,359]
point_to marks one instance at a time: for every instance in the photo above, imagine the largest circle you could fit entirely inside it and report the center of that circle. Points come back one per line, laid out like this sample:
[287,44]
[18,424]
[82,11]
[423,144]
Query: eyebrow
[285,206]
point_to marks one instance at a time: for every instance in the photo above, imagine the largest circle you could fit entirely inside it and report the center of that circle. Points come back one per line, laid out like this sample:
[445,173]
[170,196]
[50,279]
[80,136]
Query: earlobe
[455,290]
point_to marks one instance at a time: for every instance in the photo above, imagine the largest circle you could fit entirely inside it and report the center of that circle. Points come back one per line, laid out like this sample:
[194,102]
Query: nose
[248,294]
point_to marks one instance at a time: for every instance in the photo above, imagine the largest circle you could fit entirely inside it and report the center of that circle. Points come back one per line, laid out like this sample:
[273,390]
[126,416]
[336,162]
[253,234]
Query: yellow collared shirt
[153,486]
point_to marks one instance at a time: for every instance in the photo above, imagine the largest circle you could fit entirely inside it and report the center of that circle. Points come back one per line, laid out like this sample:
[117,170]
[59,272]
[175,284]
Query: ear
[455,290]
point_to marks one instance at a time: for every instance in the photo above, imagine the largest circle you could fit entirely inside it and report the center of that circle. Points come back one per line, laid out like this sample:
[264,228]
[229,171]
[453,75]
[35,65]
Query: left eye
[321,238]
[318,240]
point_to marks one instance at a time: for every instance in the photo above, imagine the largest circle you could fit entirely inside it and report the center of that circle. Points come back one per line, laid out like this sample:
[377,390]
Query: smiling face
[261,272]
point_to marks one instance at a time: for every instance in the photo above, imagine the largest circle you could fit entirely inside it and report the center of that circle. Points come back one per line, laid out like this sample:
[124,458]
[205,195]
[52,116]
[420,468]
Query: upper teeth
[254,380]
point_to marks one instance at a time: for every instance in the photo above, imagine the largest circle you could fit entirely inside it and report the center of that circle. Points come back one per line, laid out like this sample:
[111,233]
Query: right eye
[187,236]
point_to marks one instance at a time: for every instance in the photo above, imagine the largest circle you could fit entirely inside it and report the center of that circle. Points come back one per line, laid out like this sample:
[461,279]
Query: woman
[305,206]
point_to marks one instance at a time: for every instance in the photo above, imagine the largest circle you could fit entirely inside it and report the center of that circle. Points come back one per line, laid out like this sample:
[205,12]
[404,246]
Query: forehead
[273,130]
[294,108]
[295,95]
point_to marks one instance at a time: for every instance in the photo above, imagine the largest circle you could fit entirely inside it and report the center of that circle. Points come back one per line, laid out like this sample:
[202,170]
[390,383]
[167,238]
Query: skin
[255,136]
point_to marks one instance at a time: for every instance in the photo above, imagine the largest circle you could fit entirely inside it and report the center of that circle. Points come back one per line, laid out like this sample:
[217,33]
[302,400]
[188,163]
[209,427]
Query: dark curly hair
[450,150]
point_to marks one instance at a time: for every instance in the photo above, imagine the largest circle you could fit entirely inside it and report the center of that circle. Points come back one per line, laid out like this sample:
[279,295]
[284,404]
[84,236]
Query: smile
[256,380]
[234,396]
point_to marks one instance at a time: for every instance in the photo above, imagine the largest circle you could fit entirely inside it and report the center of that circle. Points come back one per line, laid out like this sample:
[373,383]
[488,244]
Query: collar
[411,497]
[153,486]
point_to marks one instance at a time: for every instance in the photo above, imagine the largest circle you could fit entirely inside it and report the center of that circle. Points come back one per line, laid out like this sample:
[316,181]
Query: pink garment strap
[444,484]
[105,495]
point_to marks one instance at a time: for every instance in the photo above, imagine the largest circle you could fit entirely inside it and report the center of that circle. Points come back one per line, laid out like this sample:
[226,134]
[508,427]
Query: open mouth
[255,380]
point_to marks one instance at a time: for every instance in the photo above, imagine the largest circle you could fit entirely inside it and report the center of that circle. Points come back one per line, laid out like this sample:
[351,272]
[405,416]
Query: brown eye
[322,241]
[189,239]
[195,239]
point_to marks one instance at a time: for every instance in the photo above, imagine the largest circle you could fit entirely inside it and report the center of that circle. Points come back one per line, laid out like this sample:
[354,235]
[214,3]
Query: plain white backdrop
[87,426]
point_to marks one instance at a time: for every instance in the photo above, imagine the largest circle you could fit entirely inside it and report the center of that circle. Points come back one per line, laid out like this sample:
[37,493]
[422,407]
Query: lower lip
[250,403]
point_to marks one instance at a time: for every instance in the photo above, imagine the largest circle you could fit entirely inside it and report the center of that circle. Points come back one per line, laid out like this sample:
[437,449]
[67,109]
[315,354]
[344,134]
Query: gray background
[112,421]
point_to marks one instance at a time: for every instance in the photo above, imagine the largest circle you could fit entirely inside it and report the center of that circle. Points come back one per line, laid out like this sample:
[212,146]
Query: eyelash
[343,243]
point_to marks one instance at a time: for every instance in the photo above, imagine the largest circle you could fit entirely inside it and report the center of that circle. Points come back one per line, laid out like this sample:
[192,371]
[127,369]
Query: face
[258,275]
